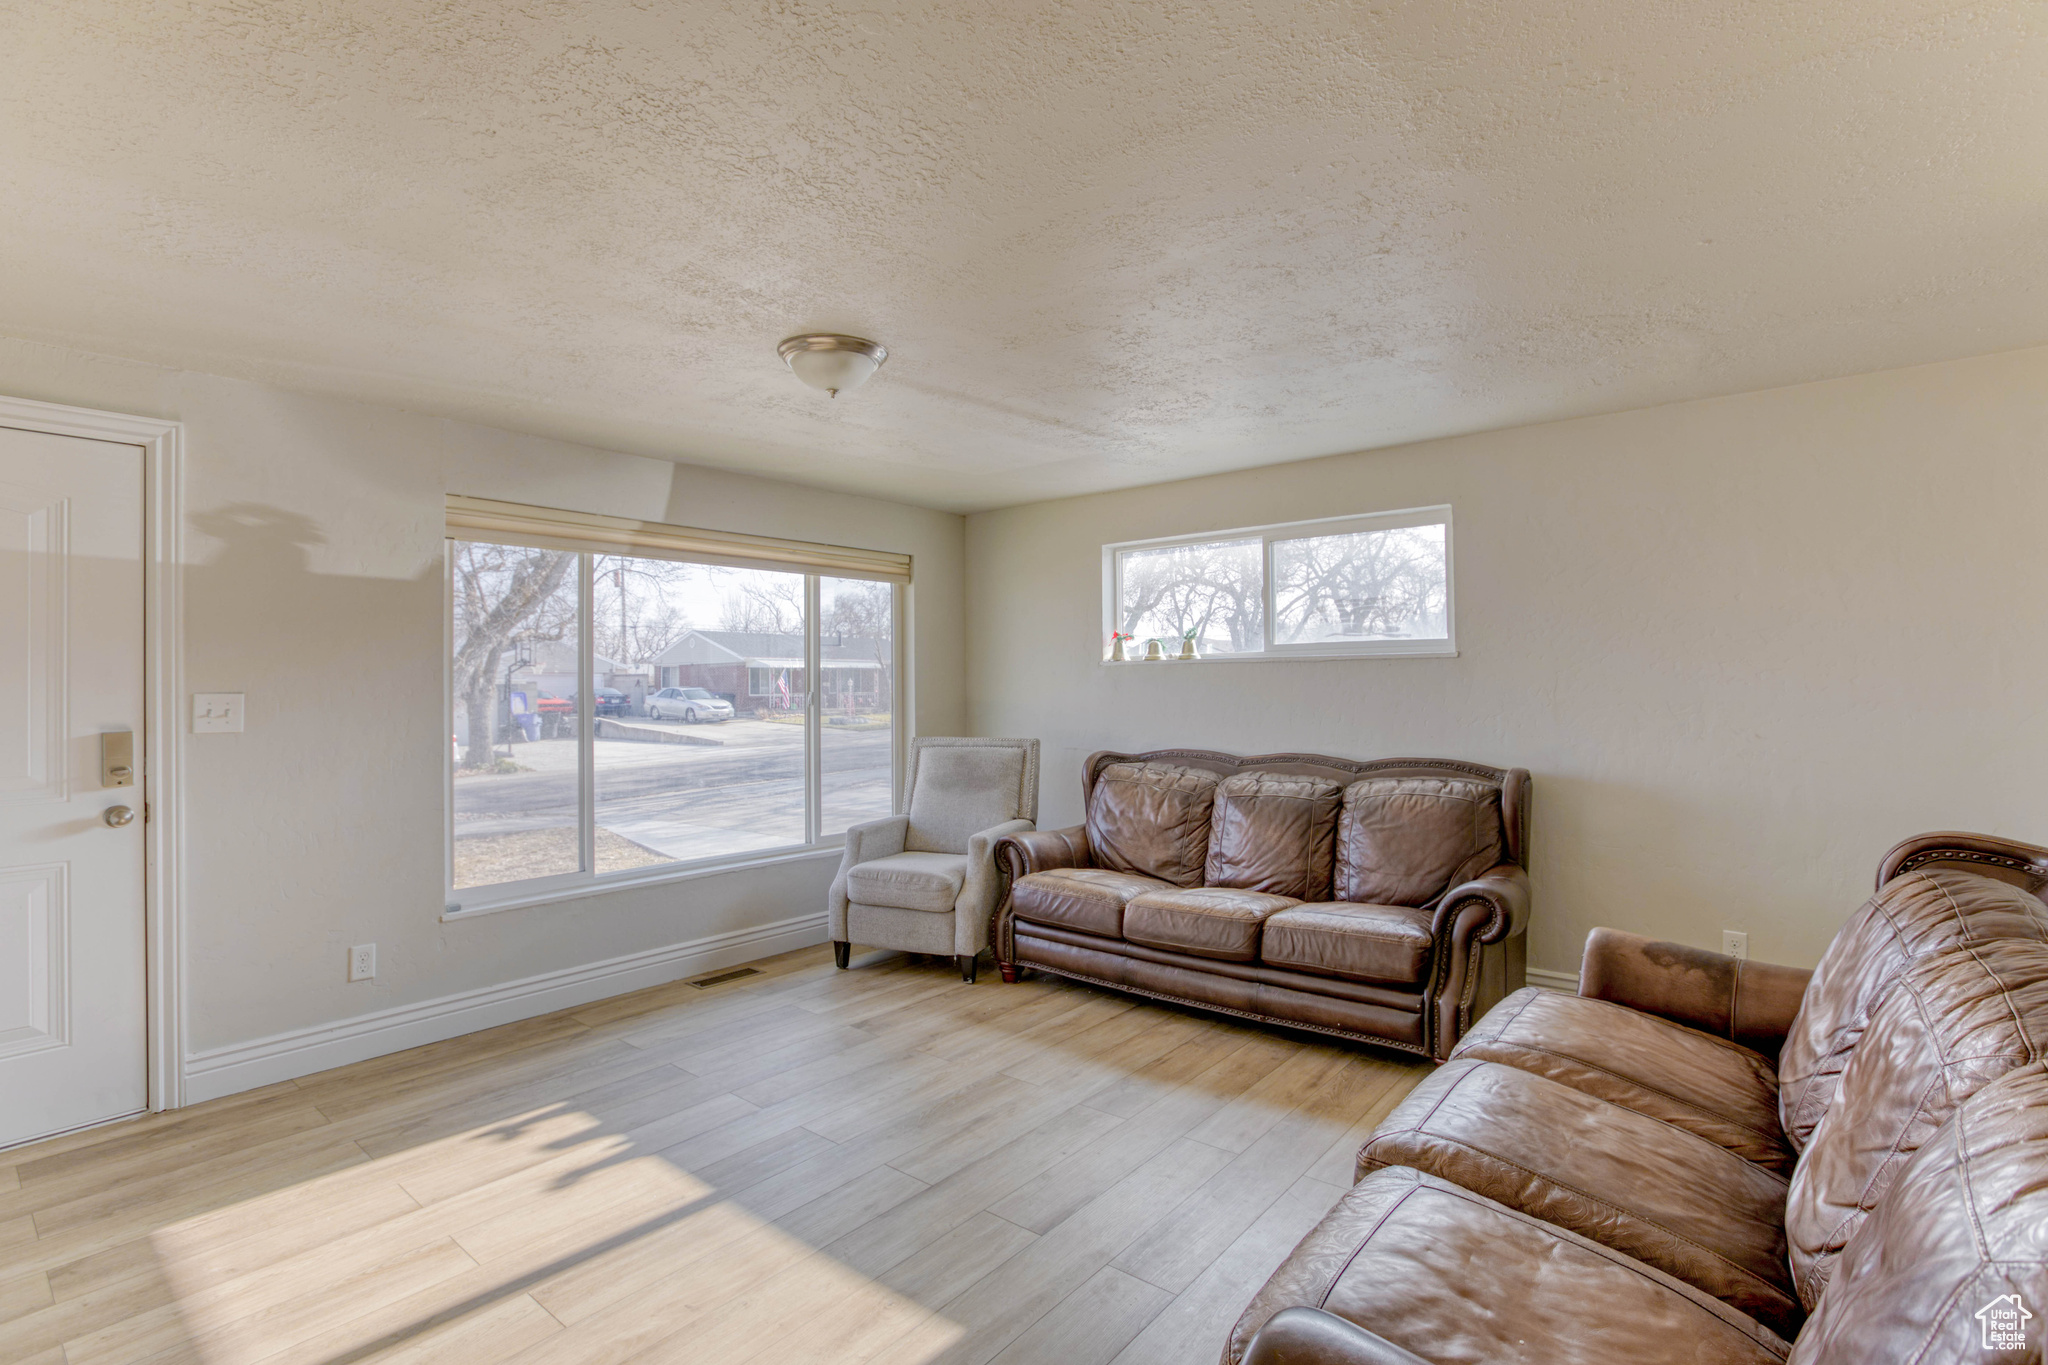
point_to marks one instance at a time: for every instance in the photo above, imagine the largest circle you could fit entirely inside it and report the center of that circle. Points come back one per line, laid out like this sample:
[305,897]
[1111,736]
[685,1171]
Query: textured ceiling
[1106,244]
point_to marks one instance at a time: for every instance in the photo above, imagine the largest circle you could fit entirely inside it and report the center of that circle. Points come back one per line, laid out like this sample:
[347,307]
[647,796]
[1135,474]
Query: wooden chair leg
[1008,971]
[841,952]
[967,967]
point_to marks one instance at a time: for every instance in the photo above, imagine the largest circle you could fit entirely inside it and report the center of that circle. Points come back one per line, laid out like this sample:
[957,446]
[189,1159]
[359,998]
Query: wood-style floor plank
[804,1166]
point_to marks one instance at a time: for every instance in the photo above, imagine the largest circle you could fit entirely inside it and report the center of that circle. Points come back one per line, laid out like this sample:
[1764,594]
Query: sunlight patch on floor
[541,1238]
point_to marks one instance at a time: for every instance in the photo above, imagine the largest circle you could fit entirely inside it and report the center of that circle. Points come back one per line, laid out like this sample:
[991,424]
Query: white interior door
[73,1021]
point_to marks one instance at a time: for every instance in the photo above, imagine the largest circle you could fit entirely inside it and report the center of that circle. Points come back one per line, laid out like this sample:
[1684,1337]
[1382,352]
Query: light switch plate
[216,713]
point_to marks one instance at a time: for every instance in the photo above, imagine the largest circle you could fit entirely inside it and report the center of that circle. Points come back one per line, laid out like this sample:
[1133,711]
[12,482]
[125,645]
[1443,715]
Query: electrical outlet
[362,962]
[1735,943]
[216,713]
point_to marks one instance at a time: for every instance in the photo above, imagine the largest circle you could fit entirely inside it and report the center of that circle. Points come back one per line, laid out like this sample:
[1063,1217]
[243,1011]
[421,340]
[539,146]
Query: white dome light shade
[834,363]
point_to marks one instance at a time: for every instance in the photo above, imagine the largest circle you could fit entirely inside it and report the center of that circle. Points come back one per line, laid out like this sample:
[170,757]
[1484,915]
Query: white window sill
[1421,650]
[489,901]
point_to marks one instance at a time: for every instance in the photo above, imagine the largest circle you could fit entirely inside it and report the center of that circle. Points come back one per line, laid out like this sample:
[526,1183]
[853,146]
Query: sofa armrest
[1752,1003]
[1018,856]
[984,885]
[1309,1336]
[1491,907]
[1024,854]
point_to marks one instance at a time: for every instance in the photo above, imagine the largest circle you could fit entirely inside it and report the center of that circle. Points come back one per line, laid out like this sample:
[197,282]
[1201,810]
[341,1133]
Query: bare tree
[636,606]
[862,610]
[1203,589]
[502,592]
[762,603]
[1384,583]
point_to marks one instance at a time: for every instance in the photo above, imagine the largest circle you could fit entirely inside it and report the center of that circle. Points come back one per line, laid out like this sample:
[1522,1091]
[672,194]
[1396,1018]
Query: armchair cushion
[1207,921]
[1089,899]
[909,881]
[1274,832]
[1406,840]
[1152,819]
[959,789]
[1389,943]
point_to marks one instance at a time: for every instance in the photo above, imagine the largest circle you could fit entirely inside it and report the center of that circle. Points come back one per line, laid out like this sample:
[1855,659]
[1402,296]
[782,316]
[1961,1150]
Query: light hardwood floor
[806,1165]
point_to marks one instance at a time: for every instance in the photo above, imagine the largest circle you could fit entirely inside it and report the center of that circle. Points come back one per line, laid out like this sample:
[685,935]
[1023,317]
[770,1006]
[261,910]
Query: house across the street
[764,673]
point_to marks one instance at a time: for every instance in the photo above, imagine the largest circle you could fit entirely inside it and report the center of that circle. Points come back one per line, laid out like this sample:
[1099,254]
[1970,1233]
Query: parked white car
[688,704]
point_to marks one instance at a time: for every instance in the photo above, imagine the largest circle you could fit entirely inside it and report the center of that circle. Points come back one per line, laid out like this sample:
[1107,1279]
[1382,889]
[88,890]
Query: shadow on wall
[334,790]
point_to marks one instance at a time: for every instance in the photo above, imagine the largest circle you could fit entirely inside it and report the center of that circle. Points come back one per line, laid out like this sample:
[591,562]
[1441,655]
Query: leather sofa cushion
[1206,921]
[1461,1280]
[1355,942]
[1274,832]
[1669,1198]
[1085,898]
[1407,840]
[1911,916]
[1960,1229]
[1719,1090]
[1152,819]
[1195,981]
[1950,1025]
[909,881]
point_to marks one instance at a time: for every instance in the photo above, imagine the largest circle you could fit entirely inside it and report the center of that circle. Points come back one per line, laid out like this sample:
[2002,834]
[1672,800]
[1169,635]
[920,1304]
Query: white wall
[1743,644]
[314,585]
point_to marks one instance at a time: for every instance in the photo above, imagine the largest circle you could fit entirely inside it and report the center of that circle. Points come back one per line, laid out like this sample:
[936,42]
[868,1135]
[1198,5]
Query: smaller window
[1361,585]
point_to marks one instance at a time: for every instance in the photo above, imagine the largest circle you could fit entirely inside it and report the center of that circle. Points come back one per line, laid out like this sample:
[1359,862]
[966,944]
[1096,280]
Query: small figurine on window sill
[1116,645]
[1153,653]
[1187,643]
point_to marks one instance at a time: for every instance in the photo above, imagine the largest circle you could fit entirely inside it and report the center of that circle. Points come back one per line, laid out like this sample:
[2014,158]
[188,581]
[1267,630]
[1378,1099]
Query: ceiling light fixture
[828,361]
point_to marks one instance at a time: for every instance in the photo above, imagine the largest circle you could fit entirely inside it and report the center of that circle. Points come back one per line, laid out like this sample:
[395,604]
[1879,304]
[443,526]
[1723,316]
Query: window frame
[467,902]
[1267,536]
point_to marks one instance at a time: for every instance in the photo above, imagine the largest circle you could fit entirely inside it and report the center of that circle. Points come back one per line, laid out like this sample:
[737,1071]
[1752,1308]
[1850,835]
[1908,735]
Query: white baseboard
[283,1056]
[1568,982]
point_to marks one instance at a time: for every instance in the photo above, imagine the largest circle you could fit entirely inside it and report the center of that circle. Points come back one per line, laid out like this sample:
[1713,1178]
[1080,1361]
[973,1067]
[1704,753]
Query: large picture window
[1378,584]
[619,714]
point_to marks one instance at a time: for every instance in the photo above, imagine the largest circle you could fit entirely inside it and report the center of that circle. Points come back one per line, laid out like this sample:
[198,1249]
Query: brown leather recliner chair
[1717,1162]
[1383,901]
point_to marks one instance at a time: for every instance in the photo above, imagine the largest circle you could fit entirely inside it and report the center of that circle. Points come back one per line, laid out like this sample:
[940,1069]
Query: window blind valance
[512,523]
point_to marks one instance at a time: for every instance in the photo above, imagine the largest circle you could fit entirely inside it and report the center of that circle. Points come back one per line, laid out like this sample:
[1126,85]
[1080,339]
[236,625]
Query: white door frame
[163,451]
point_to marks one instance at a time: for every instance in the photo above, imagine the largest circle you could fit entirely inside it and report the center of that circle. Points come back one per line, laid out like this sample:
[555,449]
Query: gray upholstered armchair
[926,881]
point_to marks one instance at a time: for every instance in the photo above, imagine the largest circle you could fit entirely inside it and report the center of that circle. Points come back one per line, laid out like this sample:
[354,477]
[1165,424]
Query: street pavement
[687,801]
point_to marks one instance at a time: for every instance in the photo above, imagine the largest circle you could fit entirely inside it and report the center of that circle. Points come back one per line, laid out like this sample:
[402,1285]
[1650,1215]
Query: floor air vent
[724,977]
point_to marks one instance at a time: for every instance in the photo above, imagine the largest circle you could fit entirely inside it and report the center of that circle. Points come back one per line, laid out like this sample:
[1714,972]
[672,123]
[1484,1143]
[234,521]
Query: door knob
[117,816]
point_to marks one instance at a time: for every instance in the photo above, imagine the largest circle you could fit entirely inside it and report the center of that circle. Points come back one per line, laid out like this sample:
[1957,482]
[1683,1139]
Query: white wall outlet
[1735,943]
[362,962]
[216,713]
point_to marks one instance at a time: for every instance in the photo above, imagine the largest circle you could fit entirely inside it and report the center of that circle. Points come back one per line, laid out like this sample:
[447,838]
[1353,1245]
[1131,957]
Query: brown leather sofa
[1717,1162]
[1382,901]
